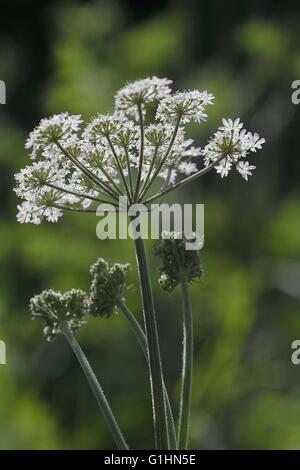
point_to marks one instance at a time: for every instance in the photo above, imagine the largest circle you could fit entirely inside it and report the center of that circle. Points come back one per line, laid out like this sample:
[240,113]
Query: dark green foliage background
[72,56]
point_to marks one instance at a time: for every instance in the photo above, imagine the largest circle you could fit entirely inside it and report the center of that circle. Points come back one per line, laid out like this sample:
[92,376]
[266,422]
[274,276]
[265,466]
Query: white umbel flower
[233,143]
[60,128]
[245,169]
[187,168]
[141,92]
[186,106]
[123,153]
[31,213]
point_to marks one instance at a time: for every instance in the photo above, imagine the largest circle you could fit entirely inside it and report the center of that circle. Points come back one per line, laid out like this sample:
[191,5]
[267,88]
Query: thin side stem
[141,156]
[105,188]
[74,209]
[119,167]
[185,181]
[144,186]
[75,193]
[166,183]
[155,366]
[136,327]
[142,340]
[163,160]
[187,368]
[129,172]
[96,388]
[107,175]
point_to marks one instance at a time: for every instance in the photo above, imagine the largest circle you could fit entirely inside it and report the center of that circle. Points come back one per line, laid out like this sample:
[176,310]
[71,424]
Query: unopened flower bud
[54,307]
[177,261]
[108,286]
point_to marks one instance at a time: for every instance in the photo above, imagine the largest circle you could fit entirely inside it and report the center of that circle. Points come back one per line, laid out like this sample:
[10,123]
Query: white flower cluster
[58,128]
[122,154]
[186,106]
[229,146]
[140,93]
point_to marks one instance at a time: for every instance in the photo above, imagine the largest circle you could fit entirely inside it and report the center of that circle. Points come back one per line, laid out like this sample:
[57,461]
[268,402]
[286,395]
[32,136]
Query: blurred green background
[72,56]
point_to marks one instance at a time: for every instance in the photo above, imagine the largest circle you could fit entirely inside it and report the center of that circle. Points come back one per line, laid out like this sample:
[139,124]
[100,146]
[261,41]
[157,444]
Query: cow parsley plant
[75,166]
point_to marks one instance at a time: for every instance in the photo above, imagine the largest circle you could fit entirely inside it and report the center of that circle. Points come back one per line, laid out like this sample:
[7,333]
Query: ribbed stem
[155,366]
[96,388]
[187,368]
[142,340]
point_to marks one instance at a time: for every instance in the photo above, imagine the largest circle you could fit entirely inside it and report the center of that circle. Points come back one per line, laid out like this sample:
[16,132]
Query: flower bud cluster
[54,307]
[107,288]
[76,167]
[176,261]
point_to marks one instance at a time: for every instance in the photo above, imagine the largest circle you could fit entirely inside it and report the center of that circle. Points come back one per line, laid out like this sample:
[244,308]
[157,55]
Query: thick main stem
[142,340]
[187,368]
[96,388]
[154,359]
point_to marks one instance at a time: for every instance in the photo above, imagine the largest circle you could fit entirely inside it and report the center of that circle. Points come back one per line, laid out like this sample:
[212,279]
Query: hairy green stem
[187,368]
[142,340]
[154,359]
[96,388]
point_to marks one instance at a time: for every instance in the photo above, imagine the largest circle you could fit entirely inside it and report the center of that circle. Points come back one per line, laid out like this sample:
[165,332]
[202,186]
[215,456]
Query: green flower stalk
[107,295]
[142,340]
[154,358]
[64,314]
[181,266]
